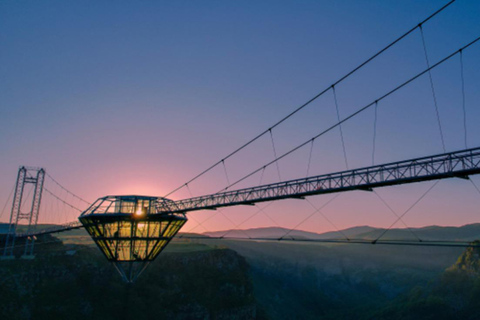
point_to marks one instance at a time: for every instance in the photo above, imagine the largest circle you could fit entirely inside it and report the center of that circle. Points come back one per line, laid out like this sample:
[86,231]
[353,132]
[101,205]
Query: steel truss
[458,164]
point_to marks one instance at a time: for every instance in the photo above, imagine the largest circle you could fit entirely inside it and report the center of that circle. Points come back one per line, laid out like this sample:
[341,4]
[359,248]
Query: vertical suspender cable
[463,98]
[225,170]
[315,97]
[354,114]
[340,127]
[275,156]
[310,158]
[374,132]
[433,90]
[261,175]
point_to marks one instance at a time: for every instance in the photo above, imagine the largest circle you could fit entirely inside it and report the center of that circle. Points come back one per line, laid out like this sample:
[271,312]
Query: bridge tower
[26,175]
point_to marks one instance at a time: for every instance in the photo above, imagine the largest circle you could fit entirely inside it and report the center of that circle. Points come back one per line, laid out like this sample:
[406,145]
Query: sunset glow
[140,104]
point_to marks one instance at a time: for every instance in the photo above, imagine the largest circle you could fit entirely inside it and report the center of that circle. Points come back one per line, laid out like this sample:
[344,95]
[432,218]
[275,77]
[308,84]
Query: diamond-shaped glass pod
[131,231]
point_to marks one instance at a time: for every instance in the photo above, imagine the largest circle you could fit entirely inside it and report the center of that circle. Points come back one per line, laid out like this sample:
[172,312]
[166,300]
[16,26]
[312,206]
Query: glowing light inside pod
[131,231]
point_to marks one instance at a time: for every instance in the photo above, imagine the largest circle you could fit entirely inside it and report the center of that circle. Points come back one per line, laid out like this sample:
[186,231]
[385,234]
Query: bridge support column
[26,175]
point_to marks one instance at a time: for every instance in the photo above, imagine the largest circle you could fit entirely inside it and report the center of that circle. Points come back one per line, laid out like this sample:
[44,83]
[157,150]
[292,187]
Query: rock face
[455,295]
[205,284]
[273,281]
[468,262]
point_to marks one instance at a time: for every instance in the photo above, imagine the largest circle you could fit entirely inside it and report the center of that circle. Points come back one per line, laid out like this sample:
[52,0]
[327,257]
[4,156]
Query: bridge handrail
[451,164]
[447,165]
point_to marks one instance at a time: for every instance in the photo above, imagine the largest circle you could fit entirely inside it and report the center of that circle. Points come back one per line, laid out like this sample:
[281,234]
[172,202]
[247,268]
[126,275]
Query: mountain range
[469,232]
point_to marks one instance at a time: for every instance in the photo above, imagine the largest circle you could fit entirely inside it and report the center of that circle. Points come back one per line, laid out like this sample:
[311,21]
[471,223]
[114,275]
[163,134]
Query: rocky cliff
[198,284]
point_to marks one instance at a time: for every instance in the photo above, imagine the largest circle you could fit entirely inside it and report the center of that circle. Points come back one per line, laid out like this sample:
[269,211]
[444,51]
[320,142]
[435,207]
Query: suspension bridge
[132,230]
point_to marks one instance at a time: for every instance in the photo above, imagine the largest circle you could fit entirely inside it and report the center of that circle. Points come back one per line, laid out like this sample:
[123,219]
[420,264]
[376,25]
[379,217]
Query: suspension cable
[475,186]
[399,242]
[327,219]
[408,210]
[311,215]
[202,222]
[6,202]
[424,243]
[354,114]
[312,99]
[267,215]
[68,191]
[61,200]
[199,224]
[395,213]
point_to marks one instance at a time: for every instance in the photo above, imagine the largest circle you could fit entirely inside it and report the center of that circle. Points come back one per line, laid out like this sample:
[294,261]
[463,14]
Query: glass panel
[127,207]
[92,231]
[143,207]
[139,249]
[110,207]
[98,228]
[173,228]
[161,244]
[125,229]
[123,250]
[111,230]
[94,206]
[141,229]
[104,248]
[153,228]
[126,239]
[165,227]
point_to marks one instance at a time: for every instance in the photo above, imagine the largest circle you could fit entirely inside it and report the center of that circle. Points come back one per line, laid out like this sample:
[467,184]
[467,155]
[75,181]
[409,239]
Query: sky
[137,97]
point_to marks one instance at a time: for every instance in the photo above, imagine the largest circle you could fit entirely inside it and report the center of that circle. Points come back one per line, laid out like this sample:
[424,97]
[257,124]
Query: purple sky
[137,97]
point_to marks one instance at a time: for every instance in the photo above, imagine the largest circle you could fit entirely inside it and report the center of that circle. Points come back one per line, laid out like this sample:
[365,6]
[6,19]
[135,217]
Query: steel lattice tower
[26,175]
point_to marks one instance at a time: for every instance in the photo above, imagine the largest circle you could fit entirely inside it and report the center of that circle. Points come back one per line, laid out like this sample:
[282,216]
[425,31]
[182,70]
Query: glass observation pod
[131,231]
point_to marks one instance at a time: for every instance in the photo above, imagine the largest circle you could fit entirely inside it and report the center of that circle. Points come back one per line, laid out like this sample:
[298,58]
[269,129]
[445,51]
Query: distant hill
[469,232]
[271,233]
[350,232]
[277,232]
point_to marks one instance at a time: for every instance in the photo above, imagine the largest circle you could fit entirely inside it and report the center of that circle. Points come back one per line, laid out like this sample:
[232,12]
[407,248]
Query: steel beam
[458,164]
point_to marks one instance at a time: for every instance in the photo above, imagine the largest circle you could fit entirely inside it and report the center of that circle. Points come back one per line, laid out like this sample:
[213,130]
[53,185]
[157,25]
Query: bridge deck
[447,165]
[458,164]
[60,228]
